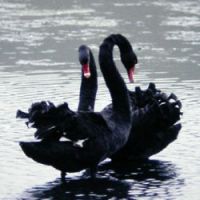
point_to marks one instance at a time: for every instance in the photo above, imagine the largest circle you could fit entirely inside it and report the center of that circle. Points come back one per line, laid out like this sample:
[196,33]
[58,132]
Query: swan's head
[129,59]
[128,56]
[84,59]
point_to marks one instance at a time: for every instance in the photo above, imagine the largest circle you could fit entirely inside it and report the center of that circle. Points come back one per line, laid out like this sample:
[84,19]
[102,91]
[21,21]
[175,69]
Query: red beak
[86,71]
[131,74]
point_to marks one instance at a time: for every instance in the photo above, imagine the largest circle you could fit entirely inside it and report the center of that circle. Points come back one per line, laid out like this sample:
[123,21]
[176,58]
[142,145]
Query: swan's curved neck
[123,44]
[113,79]
[128,56]
[88,88]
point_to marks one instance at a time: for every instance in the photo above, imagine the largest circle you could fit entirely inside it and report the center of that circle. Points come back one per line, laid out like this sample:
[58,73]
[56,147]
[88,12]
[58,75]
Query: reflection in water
[152,169]
[104,188]
[128,181]
[148,179]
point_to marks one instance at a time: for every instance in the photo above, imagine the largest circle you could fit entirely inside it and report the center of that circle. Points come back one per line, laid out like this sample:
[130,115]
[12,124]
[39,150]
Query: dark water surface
[38,61]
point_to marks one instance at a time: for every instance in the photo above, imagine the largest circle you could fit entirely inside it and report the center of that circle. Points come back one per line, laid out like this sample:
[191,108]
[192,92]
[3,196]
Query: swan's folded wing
[156,116]
[67,155]
[49,117]
[73,126]
[61,155]
[153,129]
[142,145]
[84,125]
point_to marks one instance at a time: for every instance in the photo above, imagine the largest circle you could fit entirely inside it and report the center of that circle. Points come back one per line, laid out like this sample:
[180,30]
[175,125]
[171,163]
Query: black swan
[101,135]
[154,115]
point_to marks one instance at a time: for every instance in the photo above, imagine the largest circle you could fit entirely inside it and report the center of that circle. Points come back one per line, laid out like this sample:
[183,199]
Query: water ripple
[182,21]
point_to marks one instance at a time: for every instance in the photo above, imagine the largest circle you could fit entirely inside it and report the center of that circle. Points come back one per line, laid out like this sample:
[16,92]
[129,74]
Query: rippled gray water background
[38,61]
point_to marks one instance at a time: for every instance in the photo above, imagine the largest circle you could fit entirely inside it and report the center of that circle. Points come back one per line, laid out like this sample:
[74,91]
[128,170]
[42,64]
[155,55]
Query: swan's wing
[142,145]
[47,119]
[155,117]
[154,127]
[64,156]
[36,113]
[85,125]
[71,125]
[88,150]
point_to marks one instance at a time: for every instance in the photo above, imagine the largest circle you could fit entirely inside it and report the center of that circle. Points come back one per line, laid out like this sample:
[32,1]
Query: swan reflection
[99,188]
[126,181]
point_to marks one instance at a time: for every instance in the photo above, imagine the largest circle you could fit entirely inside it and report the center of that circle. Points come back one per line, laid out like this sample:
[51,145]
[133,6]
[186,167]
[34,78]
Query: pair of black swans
[135,126]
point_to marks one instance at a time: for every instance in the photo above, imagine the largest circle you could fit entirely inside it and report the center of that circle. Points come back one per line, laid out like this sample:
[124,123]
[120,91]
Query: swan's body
[102,135]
